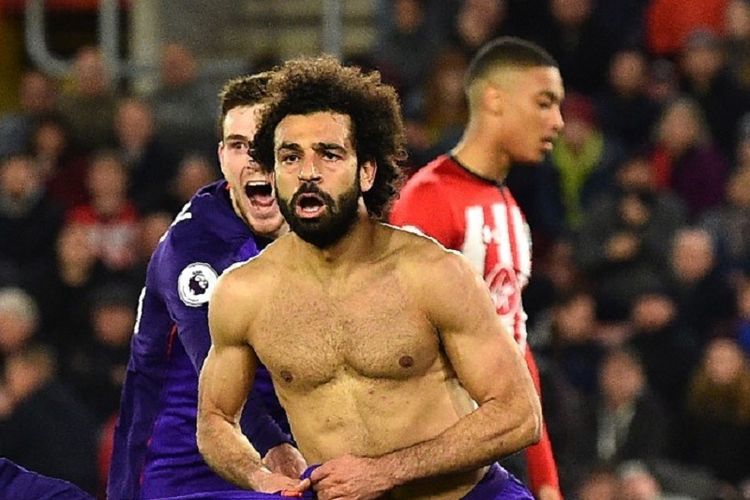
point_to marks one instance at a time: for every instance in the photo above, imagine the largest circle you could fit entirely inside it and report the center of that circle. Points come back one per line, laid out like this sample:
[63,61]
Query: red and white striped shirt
[482,220]
[479,218]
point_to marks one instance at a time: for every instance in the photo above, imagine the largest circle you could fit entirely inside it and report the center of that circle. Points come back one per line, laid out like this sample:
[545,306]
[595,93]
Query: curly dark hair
[309,85]
[246,90]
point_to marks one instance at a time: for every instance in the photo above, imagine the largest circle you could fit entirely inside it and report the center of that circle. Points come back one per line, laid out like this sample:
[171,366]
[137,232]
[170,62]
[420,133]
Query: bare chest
[313,333]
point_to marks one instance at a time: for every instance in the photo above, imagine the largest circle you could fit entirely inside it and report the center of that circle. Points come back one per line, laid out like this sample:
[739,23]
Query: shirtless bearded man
[378,340]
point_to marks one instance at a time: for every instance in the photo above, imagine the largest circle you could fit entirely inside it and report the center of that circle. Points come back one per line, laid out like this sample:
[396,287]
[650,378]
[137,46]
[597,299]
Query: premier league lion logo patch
[195,284]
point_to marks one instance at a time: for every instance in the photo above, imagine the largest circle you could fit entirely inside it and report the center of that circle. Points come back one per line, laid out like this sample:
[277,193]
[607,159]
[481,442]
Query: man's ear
[367,173]
[219,151]
[493,98]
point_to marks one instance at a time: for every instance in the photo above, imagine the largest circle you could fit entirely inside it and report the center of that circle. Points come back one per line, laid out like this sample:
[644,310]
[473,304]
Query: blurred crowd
[639,303]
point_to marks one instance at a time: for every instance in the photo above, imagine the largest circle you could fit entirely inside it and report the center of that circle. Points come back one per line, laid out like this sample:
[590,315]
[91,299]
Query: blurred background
[639,303]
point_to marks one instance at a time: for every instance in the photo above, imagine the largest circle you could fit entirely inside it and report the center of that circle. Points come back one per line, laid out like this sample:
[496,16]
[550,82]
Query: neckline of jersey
[476,175]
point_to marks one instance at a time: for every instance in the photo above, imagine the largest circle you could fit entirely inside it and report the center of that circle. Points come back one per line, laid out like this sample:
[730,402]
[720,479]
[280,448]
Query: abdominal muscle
[352,414]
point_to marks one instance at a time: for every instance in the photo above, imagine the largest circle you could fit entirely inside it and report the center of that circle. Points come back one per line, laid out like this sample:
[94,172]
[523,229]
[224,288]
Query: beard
[338,218]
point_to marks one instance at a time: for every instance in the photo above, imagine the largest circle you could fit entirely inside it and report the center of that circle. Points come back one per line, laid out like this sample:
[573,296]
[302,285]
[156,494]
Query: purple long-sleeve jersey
[18,483]
[155,450]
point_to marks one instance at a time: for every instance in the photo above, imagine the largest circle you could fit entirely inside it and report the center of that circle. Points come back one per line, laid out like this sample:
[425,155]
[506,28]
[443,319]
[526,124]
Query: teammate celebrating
[155,451]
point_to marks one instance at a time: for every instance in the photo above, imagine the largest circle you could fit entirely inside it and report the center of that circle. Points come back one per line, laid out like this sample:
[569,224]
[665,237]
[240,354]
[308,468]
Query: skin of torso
[355,360]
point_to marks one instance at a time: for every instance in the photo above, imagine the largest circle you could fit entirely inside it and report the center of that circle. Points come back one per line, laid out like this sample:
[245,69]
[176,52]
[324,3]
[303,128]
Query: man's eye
[328,155]
[239,145]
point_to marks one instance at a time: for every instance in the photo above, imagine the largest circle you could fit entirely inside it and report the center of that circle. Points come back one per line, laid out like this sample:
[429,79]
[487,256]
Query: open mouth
[260,193]
[309,205]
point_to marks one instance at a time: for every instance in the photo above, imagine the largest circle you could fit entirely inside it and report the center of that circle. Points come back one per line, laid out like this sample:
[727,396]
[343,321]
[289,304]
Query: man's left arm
[540,460]
[489,366]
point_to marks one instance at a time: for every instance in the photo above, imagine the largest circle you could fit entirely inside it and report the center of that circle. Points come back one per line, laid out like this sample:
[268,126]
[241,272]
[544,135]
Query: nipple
[406,361]
[286,376]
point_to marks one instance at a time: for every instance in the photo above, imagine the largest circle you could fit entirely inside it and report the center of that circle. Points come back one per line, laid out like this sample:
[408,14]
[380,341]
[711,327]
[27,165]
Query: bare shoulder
[442,281]
[423,260]
[242,291]
[259,272]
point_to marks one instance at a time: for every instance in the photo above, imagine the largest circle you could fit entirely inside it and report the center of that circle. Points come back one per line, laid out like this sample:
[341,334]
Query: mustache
[312,188]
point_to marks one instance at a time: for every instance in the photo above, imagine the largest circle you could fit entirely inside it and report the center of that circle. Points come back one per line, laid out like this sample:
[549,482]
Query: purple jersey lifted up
[155,452]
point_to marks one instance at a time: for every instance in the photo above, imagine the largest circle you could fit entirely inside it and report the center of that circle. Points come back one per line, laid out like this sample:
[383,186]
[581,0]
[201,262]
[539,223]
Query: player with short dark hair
[514,89]
[155,451]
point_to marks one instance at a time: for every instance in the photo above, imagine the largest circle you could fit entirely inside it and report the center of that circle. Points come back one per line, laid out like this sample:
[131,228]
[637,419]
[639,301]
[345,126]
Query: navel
[406,361]
[286,376]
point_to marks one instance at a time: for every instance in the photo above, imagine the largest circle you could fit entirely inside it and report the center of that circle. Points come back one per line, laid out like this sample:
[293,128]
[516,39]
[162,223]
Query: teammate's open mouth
[260,193]
[310,205]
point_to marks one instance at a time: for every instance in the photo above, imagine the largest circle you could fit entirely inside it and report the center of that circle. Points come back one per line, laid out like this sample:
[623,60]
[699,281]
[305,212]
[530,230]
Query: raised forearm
[493,431]
[228,452]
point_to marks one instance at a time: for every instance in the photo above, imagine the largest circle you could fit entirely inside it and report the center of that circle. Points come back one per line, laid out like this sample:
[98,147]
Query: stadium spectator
[88,103]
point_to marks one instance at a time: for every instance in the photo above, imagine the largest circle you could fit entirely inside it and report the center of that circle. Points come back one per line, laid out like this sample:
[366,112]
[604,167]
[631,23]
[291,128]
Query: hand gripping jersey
[481,219]
[155,452]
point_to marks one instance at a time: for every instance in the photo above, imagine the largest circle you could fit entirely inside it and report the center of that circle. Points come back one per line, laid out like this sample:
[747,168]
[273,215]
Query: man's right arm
[225,380]
[187,250]
[257,422]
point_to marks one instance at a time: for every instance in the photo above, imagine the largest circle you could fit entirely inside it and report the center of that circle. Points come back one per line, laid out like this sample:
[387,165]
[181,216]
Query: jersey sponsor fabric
[479,218]
[155,452]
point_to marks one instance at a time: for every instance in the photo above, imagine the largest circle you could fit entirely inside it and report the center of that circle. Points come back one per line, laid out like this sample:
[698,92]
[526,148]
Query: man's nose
[308,172]
[252,162]
[254,167]
[558,122]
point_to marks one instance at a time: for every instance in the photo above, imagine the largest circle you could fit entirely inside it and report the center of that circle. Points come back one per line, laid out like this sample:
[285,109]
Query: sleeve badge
[195,284]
